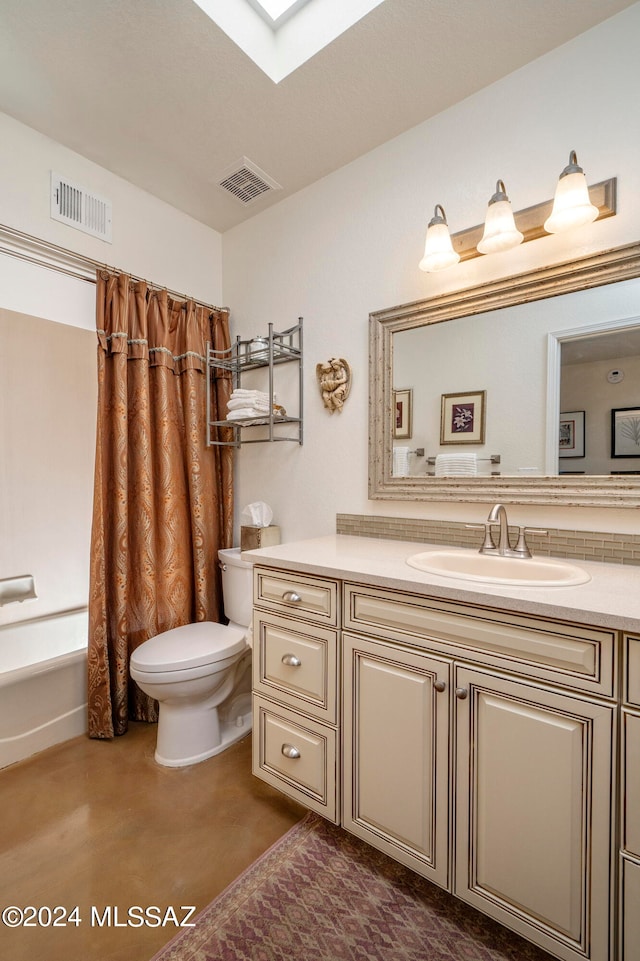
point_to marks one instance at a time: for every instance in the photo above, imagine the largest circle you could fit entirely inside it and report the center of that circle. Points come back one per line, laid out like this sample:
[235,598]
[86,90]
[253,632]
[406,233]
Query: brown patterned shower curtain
[163,501]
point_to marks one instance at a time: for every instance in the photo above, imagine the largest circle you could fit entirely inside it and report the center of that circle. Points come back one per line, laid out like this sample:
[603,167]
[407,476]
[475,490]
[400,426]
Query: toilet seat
[187,647]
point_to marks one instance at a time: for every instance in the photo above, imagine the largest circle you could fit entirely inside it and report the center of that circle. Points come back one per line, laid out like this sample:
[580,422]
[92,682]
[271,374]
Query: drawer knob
[440,686]
[290,751]
[462,693]
[291,660]
[292,597]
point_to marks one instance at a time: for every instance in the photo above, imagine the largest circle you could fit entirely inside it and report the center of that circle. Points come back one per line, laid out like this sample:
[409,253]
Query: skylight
[280,35]
[275,9]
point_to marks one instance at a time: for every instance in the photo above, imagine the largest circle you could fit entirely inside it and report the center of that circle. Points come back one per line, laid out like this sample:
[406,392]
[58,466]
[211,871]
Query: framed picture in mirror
[625,432]
[403,407]
[462,417]
[571,434]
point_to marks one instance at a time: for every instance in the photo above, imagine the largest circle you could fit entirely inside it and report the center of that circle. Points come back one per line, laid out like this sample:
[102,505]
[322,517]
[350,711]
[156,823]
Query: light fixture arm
[438,218]
[500,194]
[572,167]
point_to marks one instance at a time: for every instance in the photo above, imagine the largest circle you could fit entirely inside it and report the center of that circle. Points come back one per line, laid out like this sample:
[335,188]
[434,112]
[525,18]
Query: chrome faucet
[498,515]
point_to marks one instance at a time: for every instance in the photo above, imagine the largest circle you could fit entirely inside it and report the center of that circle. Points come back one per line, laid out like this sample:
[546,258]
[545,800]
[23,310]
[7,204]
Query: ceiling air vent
[246,181]
[80,208]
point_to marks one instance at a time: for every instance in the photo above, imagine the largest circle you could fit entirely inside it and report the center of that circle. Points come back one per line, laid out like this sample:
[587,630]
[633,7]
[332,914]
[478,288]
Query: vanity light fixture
[500,231]
[575,204]
[572,206]
[438,250]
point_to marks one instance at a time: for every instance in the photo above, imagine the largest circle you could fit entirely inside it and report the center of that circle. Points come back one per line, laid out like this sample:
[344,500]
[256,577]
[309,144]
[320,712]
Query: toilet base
[206,732]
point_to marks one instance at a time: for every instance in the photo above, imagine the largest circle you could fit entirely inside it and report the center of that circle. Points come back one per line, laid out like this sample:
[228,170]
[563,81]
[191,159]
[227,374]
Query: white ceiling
[154,91]
[610,346]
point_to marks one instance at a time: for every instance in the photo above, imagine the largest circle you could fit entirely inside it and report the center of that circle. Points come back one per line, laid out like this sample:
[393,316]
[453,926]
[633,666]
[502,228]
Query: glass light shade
[572,205]
[500,231]
[438,249]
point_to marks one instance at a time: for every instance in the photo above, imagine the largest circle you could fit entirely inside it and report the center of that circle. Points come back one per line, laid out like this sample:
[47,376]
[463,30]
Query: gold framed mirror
[596,271]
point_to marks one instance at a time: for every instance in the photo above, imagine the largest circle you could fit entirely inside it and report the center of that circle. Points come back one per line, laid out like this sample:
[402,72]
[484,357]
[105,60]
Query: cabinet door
[630,839]
[533,811]
[629,914]
[396,753]
[631,783]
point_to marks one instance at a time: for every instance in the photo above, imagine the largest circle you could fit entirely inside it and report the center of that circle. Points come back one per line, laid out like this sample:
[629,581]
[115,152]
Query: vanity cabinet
[630,804]
[529,780]
[478,746]
[295,687]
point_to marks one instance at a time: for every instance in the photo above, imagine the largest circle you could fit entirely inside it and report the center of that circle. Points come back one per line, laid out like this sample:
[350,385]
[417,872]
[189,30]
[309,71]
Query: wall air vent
[80,208]
[246,181]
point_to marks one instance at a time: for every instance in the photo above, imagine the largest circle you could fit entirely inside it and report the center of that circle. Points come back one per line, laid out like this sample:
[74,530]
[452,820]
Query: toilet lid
[192,645]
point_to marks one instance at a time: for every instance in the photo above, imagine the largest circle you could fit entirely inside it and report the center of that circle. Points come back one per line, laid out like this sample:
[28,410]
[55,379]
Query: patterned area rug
[320,894]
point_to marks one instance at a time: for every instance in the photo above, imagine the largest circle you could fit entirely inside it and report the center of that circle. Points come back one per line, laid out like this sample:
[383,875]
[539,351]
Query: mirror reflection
[600,375]
[449,378]
[519,390]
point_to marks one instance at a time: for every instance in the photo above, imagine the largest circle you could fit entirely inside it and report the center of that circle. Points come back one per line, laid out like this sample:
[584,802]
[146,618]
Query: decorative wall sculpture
[334,380]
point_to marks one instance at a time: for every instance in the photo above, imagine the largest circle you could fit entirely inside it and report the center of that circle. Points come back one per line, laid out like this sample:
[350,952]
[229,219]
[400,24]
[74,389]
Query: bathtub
[43,683]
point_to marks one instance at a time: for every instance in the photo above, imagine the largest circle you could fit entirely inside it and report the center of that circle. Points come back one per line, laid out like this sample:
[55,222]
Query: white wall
[150,238]
[48,390]
[42,531]
[585,387]
[350,244]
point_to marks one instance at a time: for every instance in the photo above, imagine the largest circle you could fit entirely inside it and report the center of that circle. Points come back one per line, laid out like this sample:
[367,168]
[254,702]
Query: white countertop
[610,599]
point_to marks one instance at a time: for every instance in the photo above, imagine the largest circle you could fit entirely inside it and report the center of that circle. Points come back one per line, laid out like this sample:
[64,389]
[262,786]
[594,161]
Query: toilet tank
[237,586]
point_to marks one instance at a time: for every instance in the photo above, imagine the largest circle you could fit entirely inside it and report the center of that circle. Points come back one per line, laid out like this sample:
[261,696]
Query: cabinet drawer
[631,783]
[296,663]
[313,598]
[631,692]
[629,914]
[296,755]
[572,655]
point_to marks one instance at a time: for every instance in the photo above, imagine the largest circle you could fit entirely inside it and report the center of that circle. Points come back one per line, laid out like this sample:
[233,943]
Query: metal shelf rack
[279,347]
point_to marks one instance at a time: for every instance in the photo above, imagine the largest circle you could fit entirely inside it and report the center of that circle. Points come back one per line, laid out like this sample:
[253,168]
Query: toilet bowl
[200,674]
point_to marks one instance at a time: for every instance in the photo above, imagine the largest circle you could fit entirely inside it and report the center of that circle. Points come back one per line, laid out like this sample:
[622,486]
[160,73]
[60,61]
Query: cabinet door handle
[291,660]
[462,693]
[290,751]
[292,597]
[440,686]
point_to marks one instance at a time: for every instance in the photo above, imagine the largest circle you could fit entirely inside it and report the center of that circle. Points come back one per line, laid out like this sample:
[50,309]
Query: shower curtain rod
[43,253]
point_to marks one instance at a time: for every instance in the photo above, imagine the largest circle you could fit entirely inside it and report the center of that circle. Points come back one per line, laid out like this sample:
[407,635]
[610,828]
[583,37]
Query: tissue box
[252,537]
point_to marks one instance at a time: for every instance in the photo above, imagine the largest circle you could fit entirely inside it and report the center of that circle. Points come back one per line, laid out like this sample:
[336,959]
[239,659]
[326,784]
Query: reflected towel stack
[400,461]
[456,465]
[248,403]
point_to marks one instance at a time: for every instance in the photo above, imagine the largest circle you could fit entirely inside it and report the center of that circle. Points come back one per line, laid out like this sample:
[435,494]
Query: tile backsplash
[578,545]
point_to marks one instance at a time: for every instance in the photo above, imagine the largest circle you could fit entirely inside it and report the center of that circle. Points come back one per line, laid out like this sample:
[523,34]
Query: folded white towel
[456,465]
[260,395]
[243,412]
[236,403]
[259,416]
[400,461]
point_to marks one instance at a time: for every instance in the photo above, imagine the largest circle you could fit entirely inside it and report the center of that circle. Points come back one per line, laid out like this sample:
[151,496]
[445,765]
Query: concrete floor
[95,824]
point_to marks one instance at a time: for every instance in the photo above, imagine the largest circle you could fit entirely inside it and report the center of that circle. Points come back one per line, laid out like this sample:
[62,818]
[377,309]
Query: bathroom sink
[495,569]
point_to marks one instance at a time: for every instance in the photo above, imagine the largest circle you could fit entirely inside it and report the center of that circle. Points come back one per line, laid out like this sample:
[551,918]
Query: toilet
[201,675]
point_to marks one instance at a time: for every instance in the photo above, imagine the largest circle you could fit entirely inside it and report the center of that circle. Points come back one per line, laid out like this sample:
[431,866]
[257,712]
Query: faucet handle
[488,543]
[522,548]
